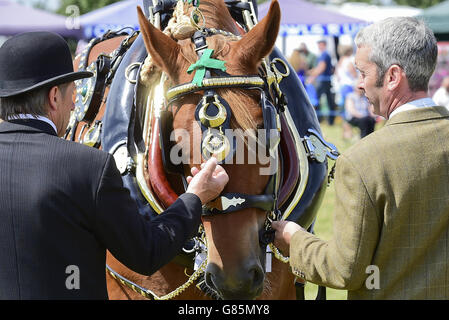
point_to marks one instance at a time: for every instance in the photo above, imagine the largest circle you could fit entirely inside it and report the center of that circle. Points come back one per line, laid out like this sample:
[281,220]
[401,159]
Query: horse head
[235,260]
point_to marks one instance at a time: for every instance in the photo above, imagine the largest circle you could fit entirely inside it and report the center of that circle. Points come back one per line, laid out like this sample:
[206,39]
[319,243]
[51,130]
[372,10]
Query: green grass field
[324,223]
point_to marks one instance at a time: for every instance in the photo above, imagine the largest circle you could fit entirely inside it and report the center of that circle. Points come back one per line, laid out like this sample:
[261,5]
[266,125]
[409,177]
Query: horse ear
[260,40]
[163,50]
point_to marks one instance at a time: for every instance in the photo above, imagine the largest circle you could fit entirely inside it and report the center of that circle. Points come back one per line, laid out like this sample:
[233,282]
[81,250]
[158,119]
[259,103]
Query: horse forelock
[217,15]
[246,114]
[243,103]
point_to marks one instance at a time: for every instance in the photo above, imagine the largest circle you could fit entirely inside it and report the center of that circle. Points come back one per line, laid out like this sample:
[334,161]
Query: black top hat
[33,60]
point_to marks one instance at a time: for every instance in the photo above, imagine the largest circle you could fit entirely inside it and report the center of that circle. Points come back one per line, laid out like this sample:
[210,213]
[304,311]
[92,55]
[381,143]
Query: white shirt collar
[420,103]
[30,116]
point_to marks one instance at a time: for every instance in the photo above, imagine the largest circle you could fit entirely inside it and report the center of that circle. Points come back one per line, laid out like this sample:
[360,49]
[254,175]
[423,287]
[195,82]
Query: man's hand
[284,232]
[208,182]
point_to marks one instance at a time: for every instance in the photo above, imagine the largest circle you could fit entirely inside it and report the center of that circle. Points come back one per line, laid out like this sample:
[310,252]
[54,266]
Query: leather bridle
[213,114]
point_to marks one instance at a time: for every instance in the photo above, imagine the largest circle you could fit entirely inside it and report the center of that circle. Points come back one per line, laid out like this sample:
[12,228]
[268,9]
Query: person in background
[300,62]
[310,57]
[321,75]
[346,76]
[358,112]
[441,96]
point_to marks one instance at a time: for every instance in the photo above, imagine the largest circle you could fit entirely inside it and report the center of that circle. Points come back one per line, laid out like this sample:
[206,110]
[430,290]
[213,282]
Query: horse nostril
[258,277]
[247,283]
[208,278]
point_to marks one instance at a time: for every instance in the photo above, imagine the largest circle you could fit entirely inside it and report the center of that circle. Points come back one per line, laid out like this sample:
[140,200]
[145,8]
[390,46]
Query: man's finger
[277,226]
[219,169]
[222,177]
[194,171]
[209,167]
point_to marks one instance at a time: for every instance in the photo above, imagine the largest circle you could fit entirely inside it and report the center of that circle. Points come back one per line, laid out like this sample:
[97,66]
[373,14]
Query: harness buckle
[195,17]
[201,48]
[280,75]
[318,148]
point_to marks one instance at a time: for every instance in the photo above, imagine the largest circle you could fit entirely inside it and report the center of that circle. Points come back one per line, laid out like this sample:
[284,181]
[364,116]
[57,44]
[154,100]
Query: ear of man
[394,77]
[55,98]
[54,95]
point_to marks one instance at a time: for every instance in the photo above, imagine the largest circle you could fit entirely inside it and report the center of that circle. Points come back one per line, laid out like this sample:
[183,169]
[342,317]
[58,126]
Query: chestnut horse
[235,258]
[234,267]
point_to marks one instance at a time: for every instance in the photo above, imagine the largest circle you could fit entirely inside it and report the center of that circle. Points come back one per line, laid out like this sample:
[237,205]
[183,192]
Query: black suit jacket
[63,204]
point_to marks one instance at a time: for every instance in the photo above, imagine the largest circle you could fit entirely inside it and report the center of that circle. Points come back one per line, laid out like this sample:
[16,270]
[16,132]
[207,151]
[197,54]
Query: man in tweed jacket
[391,219]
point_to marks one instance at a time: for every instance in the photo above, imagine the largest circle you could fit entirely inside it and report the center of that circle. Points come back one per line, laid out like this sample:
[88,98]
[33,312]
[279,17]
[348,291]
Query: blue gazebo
[305,18]
[115,16]
[16,18]
[298,18]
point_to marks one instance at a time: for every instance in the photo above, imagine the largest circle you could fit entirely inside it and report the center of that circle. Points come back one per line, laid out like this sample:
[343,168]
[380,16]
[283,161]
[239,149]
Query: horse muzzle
[245,283]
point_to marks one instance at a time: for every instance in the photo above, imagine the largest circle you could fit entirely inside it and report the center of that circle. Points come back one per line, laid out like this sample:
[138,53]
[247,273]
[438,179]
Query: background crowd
[331,85]
[332,88]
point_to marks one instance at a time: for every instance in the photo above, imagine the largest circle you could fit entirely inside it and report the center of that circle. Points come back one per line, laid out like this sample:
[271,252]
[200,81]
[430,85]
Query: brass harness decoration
[90,91]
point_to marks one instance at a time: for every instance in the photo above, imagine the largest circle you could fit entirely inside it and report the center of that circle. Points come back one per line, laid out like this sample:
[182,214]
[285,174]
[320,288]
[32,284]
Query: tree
[84,5]
[419,3]
[38,4]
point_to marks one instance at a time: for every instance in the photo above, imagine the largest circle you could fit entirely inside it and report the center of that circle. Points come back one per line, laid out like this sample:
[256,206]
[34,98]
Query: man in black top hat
[62,204]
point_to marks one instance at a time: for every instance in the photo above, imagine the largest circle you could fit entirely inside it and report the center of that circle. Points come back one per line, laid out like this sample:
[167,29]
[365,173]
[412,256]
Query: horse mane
[243,118]
[217,15]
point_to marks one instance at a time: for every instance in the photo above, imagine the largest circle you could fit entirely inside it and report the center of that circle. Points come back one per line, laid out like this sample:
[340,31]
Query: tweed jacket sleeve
[341,262]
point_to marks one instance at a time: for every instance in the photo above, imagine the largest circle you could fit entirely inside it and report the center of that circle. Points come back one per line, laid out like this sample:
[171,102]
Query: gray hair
[34,102]
[404,41]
